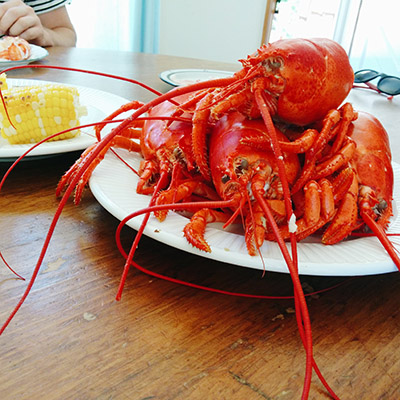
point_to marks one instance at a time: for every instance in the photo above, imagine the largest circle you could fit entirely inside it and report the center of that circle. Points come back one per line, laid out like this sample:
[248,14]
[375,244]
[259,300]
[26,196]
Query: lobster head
[313,76]
[235,164]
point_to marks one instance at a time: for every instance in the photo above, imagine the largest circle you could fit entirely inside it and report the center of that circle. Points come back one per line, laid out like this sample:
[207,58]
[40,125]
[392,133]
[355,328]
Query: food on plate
[39,111]
[295,85]
[214,148]
[14,48]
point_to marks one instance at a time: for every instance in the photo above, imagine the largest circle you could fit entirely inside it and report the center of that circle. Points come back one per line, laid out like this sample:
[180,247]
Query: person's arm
[53,28]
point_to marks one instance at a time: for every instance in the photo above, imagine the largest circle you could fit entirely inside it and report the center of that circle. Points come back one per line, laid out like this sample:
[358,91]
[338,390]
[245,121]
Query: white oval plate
[37,53]
[99,104]
[360,256]
[181,77]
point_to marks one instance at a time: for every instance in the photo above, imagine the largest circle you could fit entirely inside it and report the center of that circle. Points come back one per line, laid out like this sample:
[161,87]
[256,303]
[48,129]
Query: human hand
[18,19]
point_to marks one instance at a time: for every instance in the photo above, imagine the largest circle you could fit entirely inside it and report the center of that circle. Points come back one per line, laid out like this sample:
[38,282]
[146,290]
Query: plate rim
[165,75]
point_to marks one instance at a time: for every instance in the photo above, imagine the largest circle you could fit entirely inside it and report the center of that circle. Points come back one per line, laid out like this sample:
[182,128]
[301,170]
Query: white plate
[99,104]
[181,77]
[361,256]
[37,53]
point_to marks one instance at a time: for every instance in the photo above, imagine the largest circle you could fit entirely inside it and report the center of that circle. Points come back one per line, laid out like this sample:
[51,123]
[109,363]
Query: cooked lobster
[253,168]
[296,81]
[346,190]
[248,175]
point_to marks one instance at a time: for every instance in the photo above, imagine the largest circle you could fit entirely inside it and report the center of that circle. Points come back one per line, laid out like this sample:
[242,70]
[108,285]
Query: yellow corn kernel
[3,81]
[37,112]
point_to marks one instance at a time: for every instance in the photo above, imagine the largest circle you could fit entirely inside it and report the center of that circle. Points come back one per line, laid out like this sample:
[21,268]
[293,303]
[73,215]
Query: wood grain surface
[72,339]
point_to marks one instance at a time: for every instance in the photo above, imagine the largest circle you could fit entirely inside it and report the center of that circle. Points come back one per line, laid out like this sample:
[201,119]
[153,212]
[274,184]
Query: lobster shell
[160,135]
[226,146]
[372,158]
[317,77]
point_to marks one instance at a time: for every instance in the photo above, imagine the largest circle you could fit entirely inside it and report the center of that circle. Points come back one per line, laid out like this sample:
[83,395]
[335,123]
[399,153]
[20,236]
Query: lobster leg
[256,224]
[297,146]
[231,102]
[188,105]
[278,209]
[148,172]
[348,115]
[319,205]
[124,142]
[195,229]
[339,160]
[255,229]
[335,125]
[330,121]
[182,191]
[200,123]
[319,208]
[133,105]
[301,144]
[345,219]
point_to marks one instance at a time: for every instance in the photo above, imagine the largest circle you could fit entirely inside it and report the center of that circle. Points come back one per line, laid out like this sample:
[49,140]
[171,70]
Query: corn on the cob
[37,112]
[3,81]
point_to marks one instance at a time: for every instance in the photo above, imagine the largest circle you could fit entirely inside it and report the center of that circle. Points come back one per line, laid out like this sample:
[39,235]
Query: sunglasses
[387,84]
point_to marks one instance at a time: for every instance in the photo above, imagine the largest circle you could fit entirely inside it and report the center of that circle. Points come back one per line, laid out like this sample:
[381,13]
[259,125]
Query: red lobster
[350,184]
[294,81]
[247,175]
[290,80]
[361,176]
[346,190]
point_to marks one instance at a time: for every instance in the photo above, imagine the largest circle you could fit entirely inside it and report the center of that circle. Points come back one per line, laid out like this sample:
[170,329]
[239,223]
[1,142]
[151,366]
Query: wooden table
[72,340]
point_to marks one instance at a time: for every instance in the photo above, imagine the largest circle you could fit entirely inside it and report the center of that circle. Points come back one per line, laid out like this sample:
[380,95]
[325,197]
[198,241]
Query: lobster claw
[345,219]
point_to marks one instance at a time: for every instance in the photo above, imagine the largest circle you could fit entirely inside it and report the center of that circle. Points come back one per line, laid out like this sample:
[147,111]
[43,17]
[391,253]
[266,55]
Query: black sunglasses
[387,84]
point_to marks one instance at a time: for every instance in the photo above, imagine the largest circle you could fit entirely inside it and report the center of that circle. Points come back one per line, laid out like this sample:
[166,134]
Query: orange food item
[14,48]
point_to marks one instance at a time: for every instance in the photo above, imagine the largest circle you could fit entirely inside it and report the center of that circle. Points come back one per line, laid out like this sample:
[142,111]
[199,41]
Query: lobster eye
[241,165]
[274,63]
[178,153]
[381,206]
[225,178]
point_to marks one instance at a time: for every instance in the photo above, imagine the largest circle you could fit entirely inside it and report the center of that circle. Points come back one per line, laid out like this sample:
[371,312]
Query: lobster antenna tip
[10,268]
[118,297]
